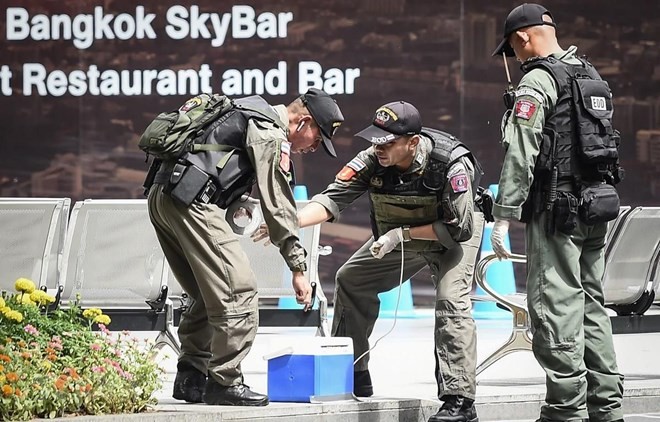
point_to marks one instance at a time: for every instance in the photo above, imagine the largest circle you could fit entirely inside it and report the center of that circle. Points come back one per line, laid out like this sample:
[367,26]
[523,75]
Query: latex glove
[386,243]
[500,229]
[260,234]
[303,289]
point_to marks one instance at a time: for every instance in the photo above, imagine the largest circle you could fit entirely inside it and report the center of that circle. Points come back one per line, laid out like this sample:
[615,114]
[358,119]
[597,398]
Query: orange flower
[59,384]
[72,372]
[18,392]
[7,390]
[2,368]
[26,355]
[50,350]
[5,358]
[12,377]
[88,387]
[51,357]
[21,343]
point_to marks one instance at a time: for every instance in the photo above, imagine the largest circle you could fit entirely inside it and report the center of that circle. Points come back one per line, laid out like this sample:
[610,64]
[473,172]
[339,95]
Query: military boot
[456,409]
[189,384]
[232,395]
[362,384]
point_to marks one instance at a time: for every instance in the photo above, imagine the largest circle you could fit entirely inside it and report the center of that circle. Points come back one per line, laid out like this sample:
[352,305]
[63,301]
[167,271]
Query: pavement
[402,368]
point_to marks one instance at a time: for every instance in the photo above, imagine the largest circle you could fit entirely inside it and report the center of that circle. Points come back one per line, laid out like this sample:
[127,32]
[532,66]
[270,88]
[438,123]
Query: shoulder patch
[459,183]
[525,109]
[356,164]
[525,91]
[346,174]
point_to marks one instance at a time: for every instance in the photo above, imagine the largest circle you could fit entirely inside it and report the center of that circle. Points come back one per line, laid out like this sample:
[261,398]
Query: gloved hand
[386,243]
[500,229]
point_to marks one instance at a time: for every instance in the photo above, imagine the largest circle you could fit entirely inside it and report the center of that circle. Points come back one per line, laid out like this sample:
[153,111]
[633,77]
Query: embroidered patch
[525,109]
[530,92]
[190,104]
[346,174]
[356,164]
[376,182]
[285,159]
[459,183]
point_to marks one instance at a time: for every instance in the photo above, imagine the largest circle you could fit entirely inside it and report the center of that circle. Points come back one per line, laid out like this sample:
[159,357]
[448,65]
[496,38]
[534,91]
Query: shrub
[52,363]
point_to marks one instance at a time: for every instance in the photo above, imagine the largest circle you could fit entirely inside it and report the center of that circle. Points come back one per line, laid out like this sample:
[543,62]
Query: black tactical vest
[578,139]
[229,168]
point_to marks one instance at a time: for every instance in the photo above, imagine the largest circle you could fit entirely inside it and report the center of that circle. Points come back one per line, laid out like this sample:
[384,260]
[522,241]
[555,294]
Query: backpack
[173,133]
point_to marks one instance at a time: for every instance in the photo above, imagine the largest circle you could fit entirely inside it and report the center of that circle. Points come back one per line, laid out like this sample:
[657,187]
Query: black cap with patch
[326,114]
[527,14]
[392,121]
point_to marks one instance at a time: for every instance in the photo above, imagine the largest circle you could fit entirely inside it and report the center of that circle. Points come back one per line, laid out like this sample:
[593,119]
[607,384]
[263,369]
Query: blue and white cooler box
[313,369]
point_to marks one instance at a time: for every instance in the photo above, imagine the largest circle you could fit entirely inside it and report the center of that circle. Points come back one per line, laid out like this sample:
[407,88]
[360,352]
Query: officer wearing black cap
[420,182]
[218,328]
[556,150]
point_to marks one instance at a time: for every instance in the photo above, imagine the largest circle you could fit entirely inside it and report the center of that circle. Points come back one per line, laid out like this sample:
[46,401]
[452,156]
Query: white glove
[386,243]
[500,229]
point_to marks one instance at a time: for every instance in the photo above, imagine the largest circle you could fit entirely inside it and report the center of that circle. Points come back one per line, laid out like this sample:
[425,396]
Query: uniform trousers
[356,305]
[572,331]
[218,328]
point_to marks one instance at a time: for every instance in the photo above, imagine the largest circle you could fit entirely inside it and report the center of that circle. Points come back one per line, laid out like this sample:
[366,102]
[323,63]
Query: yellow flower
[4,310]
[7,390]
[46,365]
[24,299]
[14,316]
[102,319]
[24,285]
[2,302]
[92,313]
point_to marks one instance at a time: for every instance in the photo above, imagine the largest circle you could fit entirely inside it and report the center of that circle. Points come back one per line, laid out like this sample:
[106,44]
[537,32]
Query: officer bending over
[218,328]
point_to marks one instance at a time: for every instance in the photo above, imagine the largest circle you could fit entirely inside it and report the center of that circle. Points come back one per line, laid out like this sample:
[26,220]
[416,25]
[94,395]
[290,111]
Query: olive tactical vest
[415,199]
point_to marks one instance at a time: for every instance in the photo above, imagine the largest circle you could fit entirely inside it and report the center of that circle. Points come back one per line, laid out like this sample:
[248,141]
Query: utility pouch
[565,212]
[599,204]
[484,202]
[186,183]
[151,175]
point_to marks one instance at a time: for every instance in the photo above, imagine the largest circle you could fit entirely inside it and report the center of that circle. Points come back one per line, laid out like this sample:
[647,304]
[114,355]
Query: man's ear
[414,140]
[524,36]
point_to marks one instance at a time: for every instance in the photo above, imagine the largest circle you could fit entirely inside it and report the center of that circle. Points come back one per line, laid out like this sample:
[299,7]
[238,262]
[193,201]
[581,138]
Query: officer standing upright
[420,183]
[253,142]
[558,174]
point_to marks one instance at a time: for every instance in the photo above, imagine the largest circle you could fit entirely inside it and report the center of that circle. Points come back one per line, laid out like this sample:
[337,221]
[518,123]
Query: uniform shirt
[522,131]
[355,179]
[269,150]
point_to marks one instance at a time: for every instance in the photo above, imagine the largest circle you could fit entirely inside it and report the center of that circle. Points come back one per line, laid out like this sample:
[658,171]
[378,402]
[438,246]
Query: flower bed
[52,363]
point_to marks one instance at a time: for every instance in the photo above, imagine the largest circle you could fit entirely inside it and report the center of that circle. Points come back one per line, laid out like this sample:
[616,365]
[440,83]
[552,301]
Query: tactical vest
[578,138]
[416,199]
[229,167]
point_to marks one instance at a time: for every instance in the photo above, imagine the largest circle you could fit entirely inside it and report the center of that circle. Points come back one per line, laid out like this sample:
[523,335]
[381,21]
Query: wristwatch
[405,231]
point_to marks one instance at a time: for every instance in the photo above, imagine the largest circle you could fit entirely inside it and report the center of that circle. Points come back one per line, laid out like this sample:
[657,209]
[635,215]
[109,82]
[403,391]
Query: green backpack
[173,133]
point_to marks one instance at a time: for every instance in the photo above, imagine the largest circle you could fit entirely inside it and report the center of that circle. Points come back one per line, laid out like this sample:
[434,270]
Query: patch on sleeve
[346,174]
[356,164]
[525,109]
[351,169]
[285,157]
[459,183]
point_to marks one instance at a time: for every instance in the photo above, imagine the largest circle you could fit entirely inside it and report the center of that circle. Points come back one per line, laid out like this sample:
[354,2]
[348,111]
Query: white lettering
[333,81]
[5,80]
[198,24]
[243,21]
[220,28]
[177,27]
[83,31]
[17,23]
[599,103]
[34,74]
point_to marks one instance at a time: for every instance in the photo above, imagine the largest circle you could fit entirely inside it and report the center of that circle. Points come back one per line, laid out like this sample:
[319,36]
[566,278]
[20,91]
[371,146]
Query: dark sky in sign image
[79,82]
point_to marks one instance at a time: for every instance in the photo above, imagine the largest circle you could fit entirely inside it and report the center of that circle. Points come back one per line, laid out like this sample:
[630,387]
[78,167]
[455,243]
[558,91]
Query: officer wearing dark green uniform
[420,183]
[218,328]
[560,146]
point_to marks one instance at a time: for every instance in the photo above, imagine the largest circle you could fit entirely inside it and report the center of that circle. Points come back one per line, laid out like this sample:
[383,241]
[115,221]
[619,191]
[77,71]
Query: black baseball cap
[392,121]
[527,14]
[326,114]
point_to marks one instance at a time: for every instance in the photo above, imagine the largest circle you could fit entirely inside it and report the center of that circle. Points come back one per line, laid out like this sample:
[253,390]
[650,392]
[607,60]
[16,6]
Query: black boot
[456,409]
[233,395]
[362,384]
[189,384]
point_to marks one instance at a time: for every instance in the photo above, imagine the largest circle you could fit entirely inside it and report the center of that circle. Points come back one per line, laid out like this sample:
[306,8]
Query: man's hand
[386,243]
[260,234]
[500,229]
[303,289]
